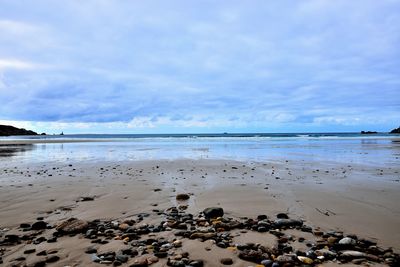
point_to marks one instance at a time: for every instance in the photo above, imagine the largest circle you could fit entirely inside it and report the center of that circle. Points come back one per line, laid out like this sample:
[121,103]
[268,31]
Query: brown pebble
[182,197]
[226,261]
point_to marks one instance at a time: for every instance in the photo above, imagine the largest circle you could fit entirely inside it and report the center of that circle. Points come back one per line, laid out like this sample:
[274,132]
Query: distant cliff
[368,132]
[395,130]
[6,130]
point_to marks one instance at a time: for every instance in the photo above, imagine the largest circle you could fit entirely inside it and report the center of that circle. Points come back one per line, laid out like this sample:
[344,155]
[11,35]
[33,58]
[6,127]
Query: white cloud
[133,65]
[17,64]
[16,27]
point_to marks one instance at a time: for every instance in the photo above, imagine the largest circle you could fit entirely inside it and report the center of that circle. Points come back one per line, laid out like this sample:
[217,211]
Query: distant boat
[62,133]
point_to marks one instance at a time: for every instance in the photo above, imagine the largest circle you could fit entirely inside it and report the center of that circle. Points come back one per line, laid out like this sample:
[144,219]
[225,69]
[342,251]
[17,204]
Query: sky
[98,66]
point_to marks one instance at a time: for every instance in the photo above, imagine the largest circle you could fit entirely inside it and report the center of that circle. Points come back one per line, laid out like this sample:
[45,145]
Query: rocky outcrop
[7,130]
[395,131]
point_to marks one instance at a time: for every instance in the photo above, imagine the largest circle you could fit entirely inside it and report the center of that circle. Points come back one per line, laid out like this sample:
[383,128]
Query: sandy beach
[199,133]
[356,200]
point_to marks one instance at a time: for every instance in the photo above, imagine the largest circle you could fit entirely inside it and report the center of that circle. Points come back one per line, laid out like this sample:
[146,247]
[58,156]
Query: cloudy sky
[200,66]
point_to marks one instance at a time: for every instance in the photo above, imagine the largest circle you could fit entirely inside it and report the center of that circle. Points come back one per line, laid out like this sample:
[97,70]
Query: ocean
[380,149]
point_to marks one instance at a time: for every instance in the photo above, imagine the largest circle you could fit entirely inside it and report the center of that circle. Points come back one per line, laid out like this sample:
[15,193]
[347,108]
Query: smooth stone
[11,239]
[123,226]
[262,217]
[39,225]
[332,240]
[40,263]
[52,258]
[95,258]
[25,225]
[42,253]
[182,197]
[287,223]
[282,216]
[226,261]
[262,229]
[161,254]
[87,198]
[122,258]
[221,245]
[266,263]
[285,258]
[326,253]
[202,235]
[197,263]
[347,241]
[152,259]
[72,225]
[357,261]
[177,243]
[252,255]
[305,260]
[91,250]
[29,251]
[142,262]
[178,263]
[90,232]
[353,254]
[213,212]
[166,246]
[52,240]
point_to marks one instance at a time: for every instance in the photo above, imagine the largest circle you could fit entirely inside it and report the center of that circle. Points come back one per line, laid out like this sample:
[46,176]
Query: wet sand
[360,200]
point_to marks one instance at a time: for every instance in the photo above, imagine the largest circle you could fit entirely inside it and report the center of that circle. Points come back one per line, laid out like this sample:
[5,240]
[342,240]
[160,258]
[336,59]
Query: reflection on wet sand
[13,150]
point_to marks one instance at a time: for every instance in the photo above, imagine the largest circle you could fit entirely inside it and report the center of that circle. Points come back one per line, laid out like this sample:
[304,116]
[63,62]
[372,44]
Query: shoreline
[21,141]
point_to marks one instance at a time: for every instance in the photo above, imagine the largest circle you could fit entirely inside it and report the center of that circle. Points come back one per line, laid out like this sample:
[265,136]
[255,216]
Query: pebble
[282,216]
[347,241]
[52,258]
[40,263]
[353,254]
[95,258]
[203,236]
[262,229]
[213,212]
[161,254]
[287,223]
[305,260]
[72,225]
[226,261]
[122,258]
[197,263]
[42,253]
[266,263]
[210,225]
[91,250]
[25,225]
[39,225]
[87,199]
[177,243]
[29,251]
[182,197]
[123,226]
[286,258]
[141,262]
[326,253]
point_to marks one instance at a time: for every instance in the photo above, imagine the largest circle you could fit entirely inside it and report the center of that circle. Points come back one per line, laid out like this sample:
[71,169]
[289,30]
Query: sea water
[377,150]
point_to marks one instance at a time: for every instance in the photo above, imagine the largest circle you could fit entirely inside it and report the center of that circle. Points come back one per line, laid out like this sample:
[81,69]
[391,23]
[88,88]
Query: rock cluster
[211,224]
